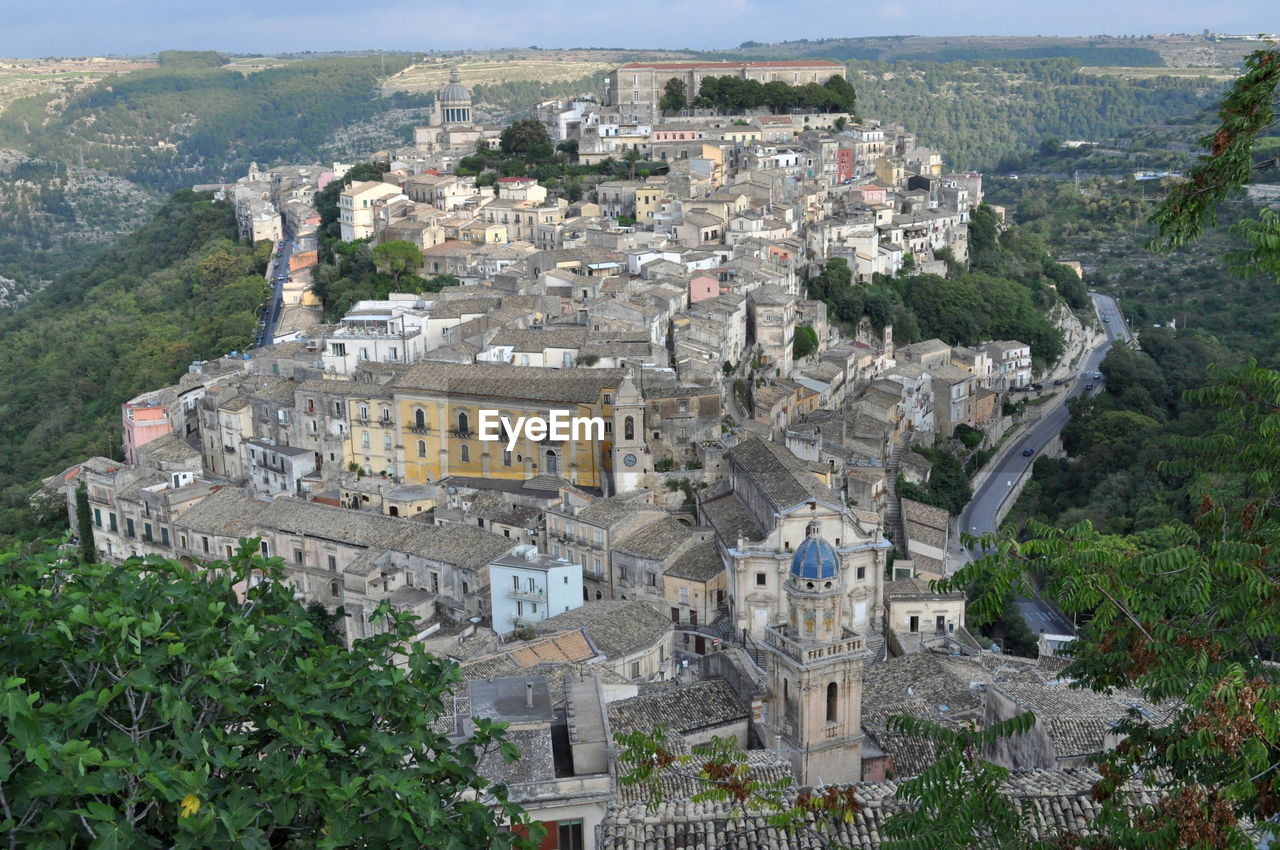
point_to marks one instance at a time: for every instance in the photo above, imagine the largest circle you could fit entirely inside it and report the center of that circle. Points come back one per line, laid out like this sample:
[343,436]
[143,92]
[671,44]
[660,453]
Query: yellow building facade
[438,409]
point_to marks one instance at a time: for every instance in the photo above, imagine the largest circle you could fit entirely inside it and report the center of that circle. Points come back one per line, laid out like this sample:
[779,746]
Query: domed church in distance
[451,125]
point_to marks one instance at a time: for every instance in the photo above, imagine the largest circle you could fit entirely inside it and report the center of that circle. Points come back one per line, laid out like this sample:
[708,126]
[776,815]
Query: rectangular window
[684,596]
[635,669]
[762,579]
[205,541]
[333,564]
[128,527]
[164,536]
[266,551]
[297,556]
[862,573]
[111,522]
[146,532]
[519,609]
[97,517]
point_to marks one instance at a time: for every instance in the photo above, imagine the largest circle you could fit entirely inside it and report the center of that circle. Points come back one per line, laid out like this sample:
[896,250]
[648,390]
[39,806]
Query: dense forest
[1117,439]
[977,113]
[179,289]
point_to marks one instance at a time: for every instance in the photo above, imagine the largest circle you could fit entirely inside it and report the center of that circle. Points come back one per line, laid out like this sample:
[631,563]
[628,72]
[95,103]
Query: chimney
[528,694]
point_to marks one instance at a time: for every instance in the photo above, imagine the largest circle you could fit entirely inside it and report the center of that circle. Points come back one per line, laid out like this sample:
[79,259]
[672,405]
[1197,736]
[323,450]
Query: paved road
[277,273]
[979,517]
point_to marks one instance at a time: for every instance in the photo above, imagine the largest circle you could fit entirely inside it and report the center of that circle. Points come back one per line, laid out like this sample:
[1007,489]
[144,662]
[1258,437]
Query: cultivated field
[427,77]
[21,78]
[1146,73]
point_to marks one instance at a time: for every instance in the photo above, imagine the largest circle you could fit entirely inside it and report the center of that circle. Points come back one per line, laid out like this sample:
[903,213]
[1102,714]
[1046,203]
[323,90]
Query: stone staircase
[893,507]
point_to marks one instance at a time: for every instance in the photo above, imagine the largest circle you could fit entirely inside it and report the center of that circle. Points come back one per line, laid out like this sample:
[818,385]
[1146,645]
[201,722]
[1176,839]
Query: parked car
[1059,382]
[1088,388]
[1028,452]
[1106,319]
[1037,387]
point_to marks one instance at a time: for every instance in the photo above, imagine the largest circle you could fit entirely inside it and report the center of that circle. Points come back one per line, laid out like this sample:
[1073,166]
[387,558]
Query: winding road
[979,517]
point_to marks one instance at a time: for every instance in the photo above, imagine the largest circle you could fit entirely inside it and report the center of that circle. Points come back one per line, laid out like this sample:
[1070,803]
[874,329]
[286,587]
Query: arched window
[422,448]
[386,442]
[364,439]
[464,452]
[464,422]
[629,428]
[833,697]
[419,419]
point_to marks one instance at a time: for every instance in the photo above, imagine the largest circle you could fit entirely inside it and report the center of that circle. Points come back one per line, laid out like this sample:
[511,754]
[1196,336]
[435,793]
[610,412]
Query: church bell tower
[815,671]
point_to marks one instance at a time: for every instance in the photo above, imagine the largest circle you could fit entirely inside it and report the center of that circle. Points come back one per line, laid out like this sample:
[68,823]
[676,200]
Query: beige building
[635,88]
[358,206]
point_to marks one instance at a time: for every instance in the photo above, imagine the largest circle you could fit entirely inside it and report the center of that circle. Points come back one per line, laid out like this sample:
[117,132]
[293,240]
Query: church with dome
[451,125]
[805,577]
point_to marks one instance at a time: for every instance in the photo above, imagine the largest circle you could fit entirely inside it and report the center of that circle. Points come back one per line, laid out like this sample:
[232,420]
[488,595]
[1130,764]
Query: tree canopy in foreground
[147,706]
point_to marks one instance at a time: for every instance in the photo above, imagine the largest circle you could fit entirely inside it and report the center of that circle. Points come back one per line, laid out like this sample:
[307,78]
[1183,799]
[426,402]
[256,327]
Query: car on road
[1037,387]
[1097,375]
[1088,388]
[1060,381]
[1106,318]
[1028,452]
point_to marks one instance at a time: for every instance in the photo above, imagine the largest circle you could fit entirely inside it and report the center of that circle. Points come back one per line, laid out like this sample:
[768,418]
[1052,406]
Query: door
[915,624]
[675,615]
[700,645]
[941,623]
[693,618]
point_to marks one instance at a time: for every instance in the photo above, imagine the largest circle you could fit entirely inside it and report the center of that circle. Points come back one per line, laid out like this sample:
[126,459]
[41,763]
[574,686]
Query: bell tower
[630,452]
[815,671]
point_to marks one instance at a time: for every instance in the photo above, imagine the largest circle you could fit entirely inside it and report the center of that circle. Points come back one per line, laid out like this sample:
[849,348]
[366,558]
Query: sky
[102,27]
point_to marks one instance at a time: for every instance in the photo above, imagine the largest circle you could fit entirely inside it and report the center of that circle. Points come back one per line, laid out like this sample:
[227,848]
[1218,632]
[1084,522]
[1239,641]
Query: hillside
[178,289]
[977,113]
[1174,50]
[90,155]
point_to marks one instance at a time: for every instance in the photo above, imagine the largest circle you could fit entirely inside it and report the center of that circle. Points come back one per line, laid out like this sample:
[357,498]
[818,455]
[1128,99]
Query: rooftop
[708,704]
[616,627]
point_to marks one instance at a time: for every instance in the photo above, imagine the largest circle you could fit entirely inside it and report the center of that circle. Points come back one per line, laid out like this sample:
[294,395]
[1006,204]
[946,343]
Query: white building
[380,331]
[358,206]
[527,586]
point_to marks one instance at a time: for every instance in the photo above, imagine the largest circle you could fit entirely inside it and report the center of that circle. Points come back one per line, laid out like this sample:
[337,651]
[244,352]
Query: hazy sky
[95,27]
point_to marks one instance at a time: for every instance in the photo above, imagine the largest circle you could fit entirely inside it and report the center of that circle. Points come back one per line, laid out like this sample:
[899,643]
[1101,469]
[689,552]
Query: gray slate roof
[616,627]
[709,704]
[779,475]
[514,382]
[701,563]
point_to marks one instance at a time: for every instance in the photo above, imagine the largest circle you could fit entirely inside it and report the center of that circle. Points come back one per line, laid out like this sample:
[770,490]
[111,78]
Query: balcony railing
[526,594]
[807,652]
[464,433]
[417,429]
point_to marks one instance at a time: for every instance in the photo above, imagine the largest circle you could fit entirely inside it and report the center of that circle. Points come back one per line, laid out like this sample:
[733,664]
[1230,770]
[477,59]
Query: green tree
[524,137]
[84,524]
[146,705]
[806,341]
[397,258]
[675,96]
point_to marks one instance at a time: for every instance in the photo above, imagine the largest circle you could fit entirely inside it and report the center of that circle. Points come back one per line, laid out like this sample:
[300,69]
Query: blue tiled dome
[815,558]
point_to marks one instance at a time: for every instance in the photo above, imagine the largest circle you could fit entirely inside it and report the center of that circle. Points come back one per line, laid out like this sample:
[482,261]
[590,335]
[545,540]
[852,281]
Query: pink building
[844,165]
[676,134]
[143,422]
[873,194]
[703,287]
